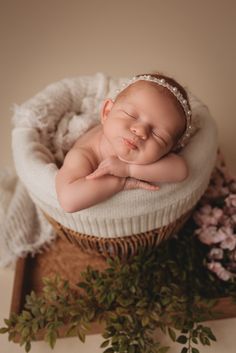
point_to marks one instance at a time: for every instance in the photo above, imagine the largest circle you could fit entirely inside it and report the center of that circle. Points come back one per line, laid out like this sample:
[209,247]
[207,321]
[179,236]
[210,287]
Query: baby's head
[151,116]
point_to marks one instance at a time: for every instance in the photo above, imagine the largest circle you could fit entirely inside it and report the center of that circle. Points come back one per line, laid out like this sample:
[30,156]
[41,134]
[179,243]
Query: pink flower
[232,256]
[217,226]
[231,201]
[216,254]
[210,235]
[207,215]
[219,270]
[229,243]
[214,191]
[227,221]
[233,219]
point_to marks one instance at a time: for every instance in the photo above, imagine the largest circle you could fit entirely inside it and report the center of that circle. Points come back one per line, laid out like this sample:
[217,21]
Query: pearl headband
[174,90]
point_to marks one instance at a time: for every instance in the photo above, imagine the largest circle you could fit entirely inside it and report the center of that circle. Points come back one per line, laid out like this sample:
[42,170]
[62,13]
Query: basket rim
[122,246]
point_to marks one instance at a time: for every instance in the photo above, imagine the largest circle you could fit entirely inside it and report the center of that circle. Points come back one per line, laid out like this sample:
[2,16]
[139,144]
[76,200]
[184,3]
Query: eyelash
[134,117]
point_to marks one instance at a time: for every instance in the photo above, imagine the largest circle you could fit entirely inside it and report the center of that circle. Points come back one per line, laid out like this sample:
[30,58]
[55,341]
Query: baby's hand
[112,166]
[132,183]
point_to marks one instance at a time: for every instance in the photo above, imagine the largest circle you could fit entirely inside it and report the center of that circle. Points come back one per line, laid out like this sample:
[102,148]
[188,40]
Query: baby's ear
[106,107]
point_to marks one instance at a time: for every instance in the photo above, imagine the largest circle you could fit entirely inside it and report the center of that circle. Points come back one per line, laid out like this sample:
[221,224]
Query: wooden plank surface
[69,261]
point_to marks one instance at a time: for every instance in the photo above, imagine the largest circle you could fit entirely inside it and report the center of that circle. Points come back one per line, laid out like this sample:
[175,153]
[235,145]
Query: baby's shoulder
[81,154]
[88,138]
[87,144]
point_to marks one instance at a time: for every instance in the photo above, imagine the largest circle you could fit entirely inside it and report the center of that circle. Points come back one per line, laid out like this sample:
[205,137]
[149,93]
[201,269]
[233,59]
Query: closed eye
[132,116]
[159,137]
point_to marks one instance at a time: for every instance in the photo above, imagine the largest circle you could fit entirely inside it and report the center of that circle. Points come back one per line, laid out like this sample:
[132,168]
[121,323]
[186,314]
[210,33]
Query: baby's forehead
[145,88]
[135,87]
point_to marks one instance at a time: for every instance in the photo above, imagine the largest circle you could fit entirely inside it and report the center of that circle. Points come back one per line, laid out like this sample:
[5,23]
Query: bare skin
[130,149]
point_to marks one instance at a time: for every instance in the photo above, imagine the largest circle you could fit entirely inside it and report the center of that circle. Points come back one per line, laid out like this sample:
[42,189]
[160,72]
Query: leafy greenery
[167,288]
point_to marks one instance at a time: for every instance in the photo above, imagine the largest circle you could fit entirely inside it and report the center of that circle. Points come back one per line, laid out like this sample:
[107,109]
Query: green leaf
[25,332]
[182,339]
[105,344]
[165,300]
[209,333]
[145,321]
[106,334]
[35,327]
[27,346]
[11,336]
[110,262]
[155,316]
[184,350]
[4,329]
[7,322]
[172,334]
[50,337]
[109,350]
[72,330]
[202,338]
[81,335]
[195,350]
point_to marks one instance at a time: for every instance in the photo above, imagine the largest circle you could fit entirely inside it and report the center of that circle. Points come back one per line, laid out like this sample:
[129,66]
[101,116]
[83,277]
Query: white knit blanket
[22,227]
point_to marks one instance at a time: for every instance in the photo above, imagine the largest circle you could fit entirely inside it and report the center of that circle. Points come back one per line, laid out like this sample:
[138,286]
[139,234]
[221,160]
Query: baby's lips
[130,143]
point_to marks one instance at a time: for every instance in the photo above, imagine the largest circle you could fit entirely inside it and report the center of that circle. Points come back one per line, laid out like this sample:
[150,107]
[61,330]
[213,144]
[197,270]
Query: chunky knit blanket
[22,228]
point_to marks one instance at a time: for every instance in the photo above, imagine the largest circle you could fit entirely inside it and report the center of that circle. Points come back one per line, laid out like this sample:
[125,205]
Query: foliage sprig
[167,288]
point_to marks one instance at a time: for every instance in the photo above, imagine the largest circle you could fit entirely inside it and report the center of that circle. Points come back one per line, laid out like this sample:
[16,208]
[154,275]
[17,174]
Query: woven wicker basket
[129,220]
[123,247]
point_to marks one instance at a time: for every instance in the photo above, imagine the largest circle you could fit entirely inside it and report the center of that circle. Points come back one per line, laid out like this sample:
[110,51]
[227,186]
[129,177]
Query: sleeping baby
[135,146]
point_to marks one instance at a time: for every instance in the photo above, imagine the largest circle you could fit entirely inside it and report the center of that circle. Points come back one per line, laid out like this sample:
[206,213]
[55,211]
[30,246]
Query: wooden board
[62,258]
[69,261]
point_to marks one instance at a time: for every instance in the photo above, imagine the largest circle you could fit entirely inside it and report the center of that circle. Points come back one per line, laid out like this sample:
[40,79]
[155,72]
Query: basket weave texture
[123,247]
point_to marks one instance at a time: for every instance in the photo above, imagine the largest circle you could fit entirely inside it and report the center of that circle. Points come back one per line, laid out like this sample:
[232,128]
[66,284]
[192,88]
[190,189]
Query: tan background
[44,41]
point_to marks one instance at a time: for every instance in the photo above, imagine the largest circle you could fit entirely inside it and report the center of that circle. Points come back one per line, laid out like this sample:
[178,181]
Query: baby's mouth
[130,143]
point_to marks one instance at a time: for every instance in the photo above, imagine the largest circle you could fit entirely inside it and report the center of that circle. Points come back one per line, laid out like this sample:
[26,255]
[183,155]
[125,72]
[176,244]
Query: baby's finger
[132,183]
[97,173]
[147,186]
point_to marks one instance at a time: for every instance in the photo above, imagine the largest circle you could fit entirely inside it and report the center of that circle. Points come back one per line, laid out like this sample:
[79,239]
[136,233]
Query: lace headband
[174,90]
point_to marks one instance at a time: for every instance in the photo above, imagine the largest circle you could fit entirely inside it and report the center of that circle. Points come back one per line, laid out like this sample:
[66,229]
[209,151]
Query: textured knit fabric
[37,153]
[22,228]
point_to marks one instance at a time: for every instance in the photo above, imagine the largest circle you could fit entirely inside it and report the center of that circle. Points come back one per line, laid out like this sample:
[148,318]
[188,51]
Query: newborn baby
[135,145]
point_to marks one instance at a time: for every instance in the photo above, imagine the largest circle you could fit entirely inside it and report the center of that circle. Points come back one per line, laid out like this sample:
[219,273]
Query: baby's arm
[75,192]
[171,168]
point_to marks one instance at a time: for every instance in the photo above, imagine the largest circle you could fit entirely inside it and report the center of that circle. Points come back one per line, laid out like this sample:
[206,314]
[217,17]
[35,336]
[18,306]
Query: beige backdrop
[44,41]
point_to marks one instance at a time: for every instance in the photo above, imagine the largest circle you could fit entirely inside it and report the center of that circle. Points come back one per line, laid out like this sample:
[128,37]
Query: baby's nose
[141,130]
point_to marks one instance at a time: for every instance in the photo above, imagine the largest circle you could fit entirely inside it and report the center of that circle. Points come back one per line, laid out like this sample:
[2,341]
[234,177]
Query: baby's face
[142,125]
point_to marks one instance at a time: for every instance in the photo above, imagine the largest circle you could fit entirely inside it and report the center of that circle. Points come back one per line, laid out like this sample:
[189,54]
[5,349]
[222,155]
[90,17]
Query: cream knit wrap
[41,137]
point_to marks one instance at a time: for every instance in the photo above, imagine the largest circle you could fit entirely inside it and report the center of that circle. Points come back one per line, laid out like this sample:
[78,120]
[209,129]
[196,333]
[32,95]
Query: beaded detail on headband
[174,90]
